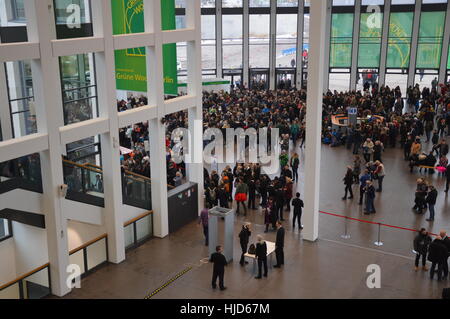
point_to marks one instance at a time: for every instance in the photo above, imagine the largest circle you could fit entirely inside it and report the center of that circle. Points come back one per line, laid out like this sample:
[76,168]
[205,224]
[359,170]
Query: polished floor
[332,267]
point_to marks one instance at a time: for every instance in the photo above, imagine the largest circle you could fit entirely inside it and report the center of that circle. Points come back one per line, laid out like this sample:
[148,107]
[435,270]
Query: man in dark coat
[431,201]
[446,242]
[219,267]
[437,254]
[447,175]
[279,202]
[279,245]
[244,237]
[298,205]
[421,243]
[348,182]
[261,255]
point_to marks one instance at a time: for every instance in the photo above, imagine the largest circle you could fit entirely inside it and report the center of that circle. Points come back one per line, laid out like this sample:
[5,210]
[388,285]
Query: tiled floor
[332,267]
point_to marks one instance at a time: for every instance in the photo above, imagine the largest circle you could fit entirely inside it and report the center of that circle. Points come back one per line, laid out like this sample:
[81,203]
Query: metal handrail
[28,274]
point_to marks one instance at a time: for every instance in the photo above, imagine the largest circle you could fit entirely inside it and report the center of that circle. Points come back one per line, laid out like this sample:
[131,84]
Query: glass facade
[341,40]
[399,39]
[370,34]
[431,34]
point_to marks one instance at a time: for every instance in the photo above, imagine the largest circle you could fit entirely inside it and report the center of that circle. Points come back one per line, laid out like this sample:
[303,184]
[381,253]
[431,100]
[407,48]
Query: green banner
[131,70]
[431,33]
[341,40]
[370,40]
[399,42]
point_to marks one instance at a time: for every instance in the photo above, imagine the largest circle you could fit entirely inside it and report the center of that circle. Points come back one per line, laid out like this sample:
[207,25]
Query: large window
[21,99]
[259,3]
[399,42]
[341,40]
[63,11]
[231,3]
[287,3]
[259,40]
[286,40]
[5,229]
[79,88]
[208,41]
[431,33]
[18,10]
[370,40]
[232,41]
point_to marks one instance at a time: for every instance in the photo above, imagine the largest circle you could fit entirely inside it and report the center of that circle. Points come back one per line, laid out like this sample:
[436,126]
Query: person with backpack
[244,238]
[211,195]
[421,243]
[261,256]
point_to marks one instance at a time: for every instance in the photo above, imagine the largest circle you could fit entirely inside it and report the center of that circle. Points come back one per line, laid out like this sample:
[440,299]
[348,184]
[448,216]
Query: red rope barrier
[370,222]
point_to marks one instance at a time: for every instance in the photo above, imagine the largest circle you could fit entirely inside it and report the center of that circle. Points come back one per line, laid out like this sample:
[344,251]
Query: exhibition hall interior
[224,149]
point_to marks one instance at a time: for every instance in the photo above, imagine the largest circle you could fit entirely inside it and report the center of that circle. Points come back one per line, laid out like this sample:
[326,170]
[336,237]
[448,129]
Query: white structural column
[106,91]
[355,47]
[5,112]
[272,45]
[445,43]
[326,62]
[219,60]
[384,42]
[314,119]
[195,114]
[157,130]
[300,33]
[49,113]
[245,42]
[414,43]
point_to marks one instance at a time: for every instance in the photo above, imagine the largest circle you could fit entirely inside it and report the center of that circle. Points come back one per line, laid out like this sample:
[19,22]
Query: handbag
[252,249]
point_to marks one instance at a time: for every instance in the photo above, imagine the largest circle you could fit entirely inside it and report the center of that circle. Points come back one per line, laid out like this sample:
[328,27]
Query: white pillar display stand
[213,231]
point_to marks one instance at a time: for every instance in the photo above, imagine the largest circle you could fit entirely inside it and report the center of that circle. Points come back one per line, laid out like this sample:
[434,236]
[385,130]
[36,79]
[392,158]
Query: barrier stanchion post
[345,235]
[379,242]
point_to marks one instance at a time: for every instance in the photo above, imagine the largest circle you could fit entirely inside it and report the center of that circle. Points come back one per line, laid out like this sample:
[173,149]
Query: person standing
[279,245]
[261,256]
[297,203]
[241,196]
[294,165]
[447,175]
[421,243]
[244,237]
[431,201]
[379,174]
[348,182]
[203,219]
[251,194]
[279,202]
[446,242]
[370,196]
[219,268]
[368,149]
[362,186]
[437,254]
